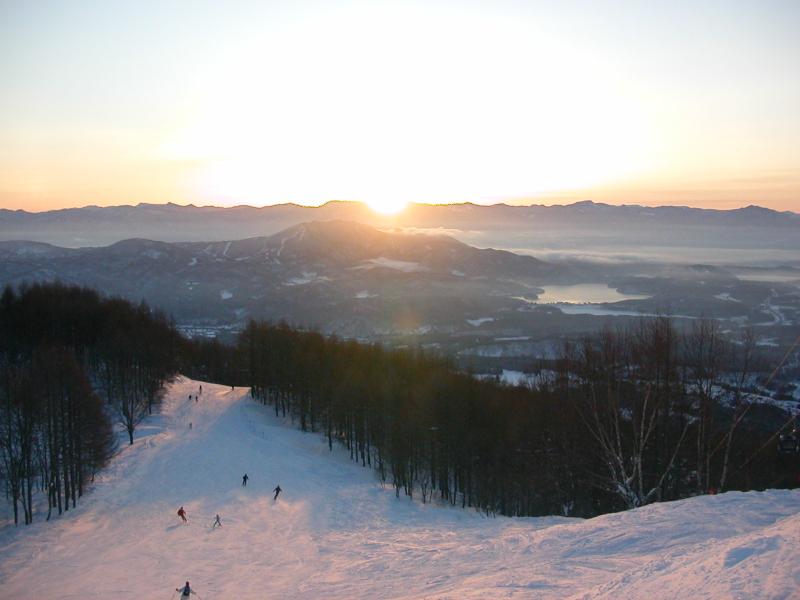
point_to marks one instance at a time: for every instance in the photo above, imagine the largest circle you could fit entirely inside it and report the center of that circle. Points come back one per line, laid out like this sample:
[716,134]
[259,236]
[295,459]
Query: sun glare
[387,207]
[518,115]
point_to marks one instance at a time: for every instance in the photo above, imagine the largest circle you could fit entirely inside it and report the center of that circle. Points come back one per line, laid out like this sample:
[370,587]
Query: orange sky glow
[389,103]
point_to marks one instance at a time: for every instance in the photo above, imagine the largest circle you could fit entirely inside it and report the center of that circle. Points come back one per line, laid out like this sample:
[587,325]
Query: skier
[185,590]
[216,522]
[182,514]
[201,389]
[190,397]
[277,491]
[190,424]
[244,479]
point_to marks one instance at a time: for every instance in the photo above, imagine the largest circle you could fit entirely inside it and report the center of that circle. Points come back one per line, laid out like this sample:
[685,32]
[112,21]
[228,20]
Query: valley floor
[336,533]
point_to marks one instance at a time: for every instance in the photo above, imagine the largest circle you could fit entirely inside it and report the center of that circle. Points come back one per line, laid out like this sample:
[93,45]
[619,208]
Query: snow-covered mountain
[336,533]
[343,276]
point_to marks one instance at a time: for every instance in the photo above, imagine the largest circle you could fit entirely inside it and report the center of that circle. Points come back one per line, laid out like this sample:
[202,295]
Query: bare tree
[744,361]
[629,396]
[704,357]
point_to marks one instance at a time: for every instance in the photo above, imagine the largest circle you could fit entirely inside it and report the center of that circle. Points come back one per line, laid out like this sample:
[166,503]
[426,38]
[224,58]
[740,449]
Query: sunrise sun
[387,206]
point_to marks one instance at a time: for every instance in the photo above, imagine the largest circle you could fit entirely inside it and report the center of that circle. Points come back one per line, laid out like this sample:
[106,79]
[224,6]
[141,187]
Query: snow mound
[757,564]
[336,533]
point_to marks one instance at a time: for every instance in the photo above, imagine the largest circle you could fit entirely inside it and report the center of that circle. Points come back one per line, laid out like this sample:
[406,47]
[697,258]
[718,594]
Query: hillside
[342,276]
[326,244]
[335,533]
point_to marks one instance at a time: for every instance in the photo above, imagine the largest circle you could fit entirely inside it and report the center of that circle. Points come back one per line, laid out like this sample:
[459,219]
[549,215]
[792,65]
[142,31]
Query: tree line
[72,363]
[624,417]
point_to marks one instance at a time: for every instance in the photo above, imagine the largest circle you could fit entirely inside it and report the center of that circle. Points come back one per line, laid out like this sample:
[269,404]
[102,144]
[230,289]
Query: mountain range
[573,226]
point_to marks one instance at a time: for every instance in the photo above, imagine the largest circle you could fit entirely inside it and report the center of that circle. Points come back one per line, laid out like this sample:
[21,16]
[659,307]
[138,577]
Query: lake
[583,293]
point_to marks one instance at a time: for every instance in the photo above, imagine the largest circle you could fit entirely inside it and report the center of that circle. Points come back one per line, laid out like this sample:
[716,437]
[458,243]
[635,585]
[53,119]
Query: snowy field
[335,533]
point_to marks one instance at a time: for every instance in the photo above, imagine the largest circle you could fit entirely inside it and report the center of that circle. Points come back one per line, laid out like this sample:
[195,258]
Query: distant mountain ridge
[98,226]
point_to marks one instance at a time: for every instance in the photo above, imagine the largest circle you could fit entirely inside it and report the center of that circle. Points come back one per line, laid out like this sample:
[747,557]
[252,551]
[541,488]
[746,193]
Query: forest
[73,365]
[621,419]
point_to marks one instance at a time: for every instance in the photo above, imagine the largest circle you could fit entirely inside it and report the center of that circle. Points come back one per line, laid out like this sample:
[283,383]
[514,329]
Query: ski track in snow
[299,234]
[336,533]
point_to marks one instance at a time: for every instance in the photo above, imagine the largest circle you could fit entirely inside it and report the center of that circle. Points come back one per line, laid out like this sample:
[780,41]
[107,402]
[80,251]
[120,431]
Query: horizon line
[410,204]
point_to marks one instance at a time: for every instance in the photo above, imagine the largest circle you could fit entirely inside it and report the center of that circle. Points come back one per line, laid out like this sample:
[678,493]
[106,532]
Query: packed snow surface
[336,533]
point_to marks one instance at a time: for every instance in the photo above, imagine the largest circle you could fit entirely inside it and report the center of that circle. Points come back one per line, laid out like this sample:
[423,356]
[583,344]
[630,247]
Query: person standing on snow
[216,522]
[244,479]
[185,590]
[182,514]
[277,491]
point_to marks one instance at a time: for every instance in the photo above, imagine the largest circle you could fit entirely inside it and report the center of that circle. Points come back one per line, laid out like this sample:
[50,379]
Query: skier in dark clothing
[216,522]
[185,590]
[244,479]
[182,514]
[277,491]
[201,389]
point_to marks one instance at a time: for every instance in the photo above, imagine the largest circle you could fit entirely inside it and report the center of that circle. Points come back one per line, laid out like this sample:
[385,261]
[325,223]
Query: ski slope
[336,533]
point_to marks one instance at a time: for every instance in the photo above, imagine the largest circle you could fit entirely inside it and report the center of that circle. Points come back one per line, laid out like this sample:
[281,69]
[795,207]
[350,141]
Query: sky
[692,103]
